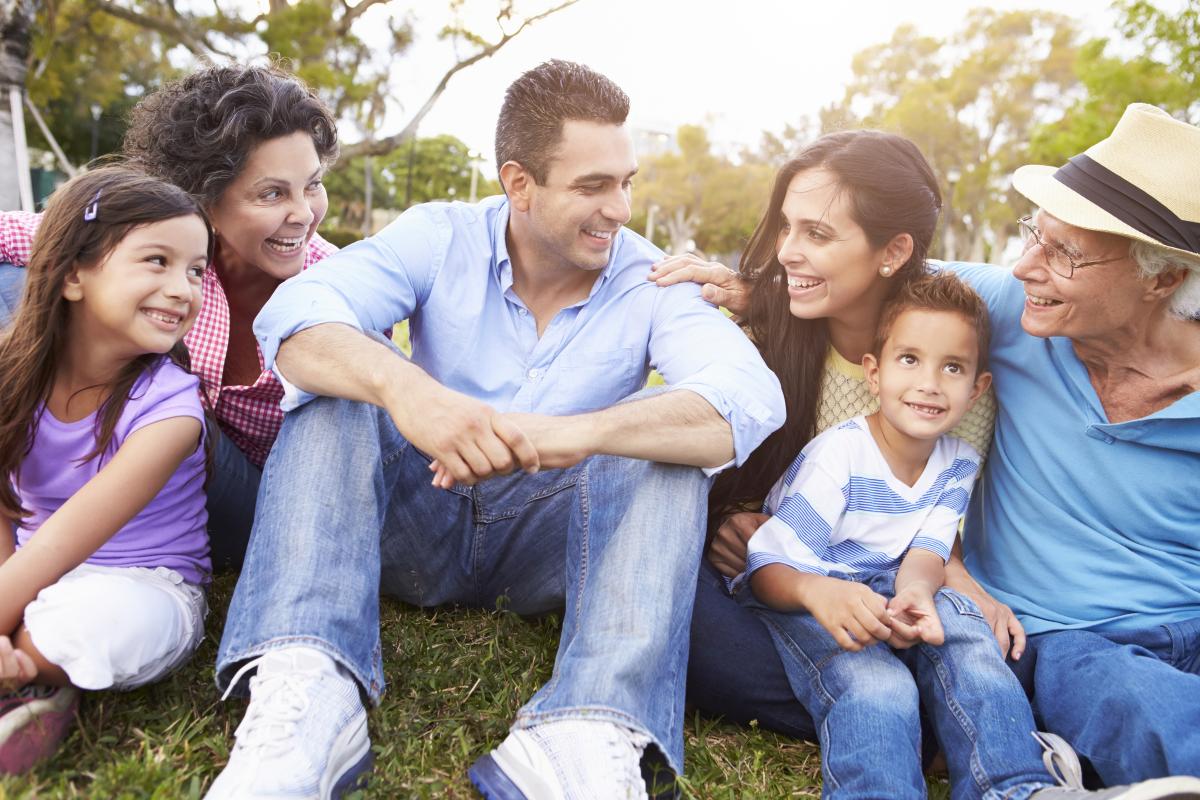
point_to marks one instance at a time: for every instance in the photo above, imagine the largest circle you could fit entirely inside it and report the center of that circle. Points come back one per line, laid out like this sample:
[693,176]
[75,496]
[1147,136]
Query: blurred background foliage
[1005,89]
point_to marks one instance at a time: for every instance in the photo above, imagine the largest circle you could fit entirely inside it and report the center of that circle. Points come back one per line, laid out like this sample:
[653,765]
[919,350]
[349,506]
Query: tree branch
[379,147]
[198,44]
[354,13]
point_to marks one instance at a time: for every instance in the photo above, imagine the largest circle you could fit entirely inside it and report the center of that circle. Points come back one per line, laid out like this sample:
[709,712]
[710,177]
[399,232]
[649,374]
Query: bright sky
[739,67]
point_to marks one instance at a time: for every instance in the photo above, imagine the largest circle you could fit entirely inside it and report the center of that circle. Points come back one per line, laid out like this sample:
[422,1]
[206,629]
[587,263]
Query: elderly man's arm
[1009,632]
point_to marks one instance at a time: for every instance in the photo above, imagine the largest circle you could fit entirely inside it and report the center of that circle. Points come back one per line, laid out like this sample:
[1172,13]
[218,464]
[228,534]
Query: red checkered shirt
[249,415]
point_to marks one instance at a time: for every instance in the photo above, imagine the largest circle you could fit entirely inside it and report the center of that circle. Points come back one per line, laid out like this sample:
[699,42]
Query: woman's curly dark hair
[198,131]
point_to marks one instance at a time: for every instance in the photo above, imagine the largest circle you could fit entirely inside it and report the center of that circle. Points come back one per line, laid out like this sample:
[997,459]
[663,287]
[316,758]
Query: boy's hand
[914,615]
[16,667]
[855,616]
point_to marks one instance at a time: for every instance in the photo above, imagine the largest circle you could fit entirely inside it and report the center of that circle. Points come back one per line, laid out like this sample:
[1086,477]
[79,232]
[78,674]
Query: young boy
[854,556]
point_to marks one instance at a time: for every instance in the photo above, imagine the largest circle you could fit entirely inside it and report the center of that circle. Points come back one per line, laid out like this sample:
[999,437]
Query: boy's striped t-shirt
[839,508]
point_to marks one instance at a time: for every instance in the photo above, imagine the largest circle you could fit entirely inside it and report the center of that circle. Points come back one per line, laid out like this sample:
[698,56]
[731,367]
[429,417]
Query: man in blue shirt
[498,462]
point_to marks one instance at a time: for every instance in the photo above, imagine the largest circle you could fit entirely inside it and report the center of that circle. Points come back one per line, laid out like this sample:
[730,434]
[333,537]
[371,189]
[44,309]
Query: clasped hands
[469,441]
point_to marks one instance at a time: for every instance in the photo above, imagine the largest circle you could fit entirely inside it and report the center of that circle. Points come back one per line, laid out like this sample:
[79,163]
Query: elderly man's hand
[1010,634]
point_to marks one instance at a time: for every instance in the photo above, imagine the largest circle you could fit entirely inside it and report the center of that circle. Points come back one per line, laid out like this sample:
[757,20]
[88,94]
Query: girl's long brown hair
[892,190]
[84,221]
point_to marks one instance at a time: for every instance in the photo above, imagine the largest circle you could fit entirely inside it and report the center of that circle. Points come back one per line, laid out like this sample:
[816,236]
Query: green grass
[456,678]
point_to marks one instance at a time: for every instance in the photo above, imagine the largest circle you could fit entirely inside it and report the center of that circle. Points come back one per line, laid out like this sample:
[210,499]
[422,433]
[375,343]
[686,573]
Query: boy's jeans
[1128,702]
[866,705]
[346,510]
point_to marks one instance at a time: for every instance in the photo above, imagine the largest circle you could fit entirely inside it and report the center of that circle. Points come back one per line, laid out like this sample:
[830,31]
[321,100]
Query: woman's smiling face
[830,264]
[267,215]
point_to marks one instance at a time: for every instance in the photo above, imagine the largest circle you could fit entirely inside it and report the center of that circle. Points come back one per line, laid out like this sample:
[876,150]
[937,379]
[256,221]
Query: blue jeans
[12,283]
[232,490]
[1128,702]
[346,510]
[866,705]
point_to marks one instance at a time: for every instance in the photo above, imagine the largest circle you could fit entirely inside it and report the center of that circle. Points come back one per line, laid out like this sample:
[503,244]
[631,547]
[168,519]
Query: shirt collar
[502,264]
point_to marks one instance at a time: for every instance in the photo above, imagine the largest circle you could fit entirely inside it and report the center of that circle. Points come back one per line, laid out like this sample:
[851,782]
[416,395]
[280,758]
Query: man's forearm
[336,360]
[675,427]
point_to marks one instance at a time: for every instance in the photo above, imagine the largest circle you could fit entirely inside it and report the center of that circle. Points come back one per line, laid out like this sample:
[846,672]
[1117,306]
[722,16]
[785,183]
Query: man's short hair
[938,291]
[538,103]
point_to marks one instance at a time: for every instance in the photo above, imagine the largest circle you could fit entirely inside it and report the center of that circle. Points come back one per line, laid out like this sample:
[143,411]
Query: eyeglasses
[1055,257]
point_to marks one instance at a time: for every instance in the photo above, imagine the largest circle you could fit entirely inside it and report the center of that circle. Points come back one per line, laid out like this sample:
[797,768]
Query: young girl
[102,463]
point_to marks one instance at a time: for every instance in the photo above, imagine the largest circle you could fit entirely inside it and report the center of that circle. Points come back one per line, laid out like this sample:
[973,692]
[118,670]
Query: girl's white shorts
[117,627]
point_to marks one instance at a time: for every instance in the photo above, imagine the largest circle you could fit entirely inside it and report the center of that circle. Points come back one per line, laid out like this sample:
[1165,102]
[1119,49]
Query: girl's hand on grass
[721,285]
[915,616]
[855,616]
[16,667]
[728,549]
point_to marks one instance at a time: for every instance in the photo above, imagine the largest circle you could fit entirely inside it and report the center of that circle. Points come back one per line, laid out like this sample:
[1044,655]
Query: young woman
[850,219]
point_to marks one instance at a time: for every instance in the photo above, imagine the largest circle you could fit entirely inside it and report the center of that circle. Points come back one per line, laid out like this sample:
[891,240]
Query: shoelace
[625,747]
[277,703]
[1060,759]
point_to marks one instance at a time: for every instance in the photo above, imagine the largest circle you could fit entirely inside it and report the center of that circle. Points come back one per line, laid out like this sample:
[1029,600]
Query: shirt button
[522,311]
[534,373]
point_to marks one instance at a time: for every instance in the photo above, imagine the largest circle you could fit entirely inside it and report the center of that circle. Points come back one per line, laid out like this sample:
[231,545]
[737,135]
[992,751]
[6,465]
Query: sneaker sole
[492,782]
[354,778]
[353,773]
[1174,788]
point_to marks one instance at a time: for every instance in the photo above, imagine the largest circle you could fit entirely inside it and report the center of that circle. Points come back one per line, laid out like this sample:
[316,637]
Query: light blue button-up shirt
[1080,522]
[445,268]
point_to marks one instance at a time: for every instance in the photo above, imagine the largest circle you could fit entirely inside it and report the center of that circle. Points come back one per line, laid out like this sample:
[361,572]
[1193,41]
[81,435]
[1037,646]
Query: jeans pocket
[963,604]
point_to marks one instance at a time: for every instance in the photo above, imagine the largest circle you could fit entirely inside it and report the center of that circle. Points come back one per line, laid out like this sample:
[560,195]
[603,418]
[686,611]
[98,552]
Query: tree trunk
[16,25]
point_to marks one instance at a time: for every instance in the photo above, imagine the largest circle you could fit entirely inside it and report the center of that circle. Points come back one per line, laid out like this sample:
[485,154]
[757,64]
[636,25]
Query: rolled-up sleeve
[370,285]
[694,346]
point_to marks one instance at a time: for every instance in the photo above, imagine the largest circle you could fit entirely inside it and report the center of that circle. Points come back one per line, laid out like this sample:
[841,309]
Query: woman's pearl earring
[885,270]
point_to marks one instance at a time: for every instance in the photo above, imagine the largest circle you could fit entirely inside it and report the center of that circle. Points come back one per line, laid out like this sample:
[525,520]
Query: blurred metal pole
[24,180]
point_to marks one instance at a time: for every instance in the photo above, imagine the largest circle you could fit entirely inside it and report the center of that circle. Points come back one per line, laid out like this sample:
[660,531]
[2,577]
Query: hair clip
[93,208]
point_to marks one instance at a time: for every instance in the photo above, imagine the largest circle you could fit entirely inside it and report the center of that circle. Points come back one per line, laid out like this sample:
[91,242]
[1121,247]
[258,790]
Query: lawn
[456,677]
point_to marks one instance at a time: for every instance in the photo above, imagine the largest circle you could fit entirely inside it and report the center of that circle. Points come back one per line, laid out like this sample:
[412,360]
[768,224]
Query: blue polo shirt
[445,268]
[1078,522]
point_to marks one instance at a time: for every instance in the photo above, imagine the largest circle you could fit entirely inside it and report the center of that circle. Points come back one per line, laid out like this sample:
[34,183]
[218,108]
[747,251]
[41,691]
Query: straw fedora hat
[1142,182]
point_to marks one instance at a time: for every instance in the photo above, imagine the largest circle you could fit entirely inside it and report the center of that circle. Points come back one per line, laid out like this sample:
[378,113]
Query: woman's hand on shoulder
[722,286]
[728,549]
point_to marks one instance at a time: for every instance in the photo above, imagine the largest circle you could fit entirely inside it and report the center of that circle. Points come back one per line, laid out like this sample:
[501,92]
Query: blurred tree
[970,103]
[701,199]
[111,52]
[1163,69]
[441,170]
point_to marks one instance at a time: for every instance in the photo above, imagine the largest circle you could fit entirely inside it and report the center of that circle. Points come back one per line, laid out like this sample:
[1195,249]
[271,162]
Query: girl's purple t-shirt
[171,530]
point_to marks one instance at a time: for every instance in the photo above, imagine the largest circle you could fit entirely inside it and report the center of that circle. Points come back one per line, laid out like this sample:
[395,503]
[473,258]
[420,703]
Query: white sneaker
[304,736]
[1063,765]
[564,760]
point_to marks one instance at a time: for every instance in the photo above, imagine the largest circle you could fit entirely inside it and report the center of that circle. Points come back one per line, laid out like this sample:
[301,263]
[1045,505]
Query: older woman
[252,143]
[1087,517]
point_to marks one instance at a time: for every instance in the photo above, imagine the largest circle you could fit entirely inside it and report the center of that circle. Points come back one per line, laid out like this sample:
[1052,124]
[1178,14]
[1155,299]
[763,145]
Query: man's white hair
[1153,260]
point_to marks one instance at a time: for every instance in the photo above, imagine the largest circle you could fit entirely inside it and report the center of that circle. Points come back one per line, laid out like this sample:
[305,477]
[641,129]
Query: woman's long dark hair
[892,190]
[85,219]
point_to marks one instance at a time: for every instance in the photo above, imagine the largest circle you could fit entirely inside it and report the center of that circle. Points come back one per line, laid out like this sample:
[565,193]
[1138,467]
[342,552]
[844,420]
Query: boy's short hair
[537,104]
[936,291]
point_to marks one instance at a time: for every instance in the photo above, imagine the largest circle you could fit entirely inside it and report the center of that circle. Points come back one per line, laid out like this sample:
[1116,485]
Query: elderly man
[1087,522]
